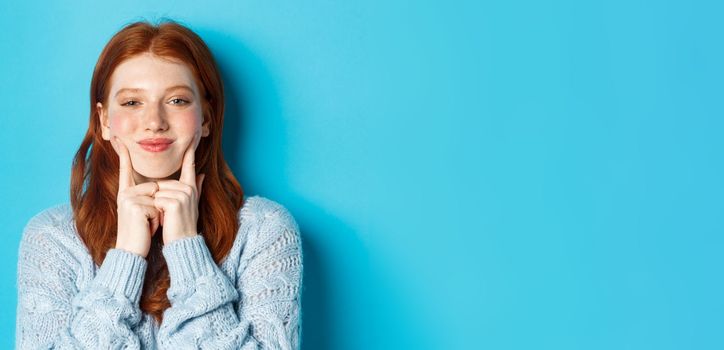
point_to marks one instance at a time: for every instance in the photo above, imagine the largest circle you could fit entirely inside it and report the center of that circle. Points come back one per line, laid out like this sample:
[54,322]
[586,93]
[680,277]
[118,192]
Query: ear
[205,128]
[103,118]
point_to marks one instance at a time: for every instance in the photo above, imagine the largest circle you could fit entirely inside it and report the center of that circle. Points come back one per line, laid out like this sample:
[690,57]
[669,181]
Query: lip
[158,144]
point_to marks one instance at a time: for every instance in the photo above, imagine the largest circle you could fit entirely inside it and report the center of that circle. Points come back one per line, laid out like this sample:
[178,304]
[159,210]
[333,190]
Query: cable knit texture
[252,300]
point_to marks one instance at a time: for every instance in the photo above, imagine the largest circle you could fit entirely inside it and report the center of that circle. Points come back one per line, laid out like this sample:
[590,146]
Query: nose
[155,119]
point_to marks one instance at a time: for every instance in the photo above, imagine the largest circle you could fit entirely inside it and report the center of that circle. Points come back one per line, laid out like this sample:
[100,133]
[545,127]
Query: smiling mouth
[155,145]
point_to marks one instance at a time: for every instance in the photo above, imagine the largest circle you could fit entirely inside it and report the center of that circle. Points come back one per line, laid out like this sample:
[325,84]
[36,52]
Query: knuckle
[136,209]
[121,201]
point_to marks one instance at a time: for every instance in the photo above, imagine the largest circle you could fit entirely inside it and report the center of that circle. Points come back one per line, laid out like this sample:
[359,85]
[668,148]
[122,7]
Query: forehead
[151,73]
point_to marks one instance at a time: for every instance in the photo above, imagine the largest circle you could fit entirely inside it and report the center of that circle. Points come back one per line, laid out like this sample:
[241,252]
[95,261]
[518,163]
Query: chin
[157,168]
[156,173]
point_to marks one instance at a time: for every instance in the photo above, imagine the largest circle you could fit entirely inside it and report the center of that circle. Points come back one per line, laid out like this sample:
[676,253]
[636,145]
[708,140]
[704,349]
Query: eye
[181,101]
[128,103]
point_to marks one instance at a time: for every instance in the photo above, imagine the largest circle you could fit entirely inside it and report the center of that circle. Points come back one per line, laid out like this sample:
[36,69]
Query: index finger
[188,168]
[125,175]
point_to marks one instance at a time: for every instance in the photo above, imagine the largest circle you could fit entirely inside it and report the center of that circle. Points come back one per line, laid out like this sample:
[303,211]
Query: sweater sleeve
[260,311]
[53,313]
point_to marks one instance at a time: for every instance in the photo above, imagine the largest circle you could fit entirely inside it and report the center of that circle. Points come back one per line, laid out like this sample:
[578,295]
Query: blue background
[466,175]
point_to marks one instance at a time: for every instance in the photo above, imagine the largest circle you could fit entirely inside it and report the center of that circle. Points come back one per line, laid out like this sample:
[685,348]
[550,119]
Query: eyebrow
[186,87]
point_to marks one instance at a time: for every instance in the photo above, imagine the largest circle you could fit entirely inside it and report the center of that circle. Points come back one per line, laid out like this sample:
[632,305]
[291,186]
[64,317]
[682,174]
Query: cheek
[121,125]
[188,123]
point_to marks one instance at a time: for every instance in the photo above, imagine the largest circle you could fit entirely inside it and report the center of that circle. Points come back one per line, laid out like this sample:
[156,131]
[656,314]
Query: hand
[178,200]
[135,207]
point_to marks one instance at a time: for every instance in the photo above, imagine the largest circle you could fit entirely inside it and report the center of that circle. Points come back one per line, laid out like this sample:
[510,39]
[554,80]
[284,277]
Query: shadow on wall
[360,311]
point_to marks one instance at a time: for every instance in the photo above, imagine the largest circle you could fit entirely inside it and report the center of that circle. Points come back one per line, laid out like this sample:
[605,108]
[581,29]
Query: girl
[158,247]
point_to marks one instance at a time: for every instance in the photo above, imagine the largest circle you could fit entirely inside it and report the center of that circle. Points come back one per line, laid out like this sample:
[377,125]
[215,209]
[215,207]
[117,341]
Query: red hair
[94,174]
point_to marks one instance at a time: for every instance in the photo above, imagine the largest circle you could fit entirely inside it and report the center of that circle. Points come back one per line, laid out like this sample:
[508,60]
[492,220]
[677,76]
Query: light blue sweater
[251,301]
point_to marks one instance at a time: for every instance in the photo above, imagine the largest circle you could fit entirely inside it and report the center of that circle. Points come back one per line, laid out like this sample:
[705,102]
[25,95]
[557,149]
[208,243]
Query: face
[152,98]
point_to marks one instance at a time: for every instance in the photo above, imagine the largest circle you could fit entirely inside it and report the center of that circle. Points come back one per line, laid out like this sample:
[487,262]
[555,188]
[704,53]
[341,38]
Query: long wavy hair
[94,175]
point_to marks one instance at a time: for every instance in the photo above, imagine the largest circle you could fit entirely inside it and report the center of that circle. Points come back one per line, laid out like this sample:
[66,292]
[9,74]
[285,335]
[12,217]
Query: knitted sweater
[251,300]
